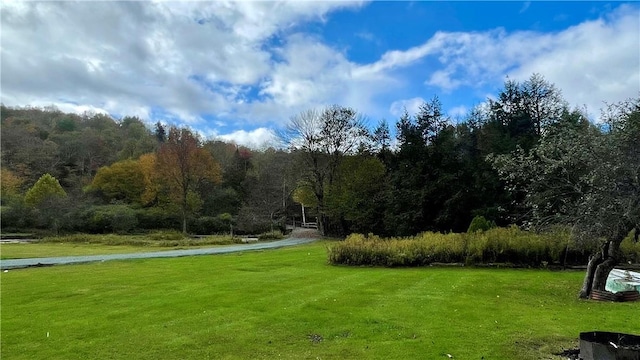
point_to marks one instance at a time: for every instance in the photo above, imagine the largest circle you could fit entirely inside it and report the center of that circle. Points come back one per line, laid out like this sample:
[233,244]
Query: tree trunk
[600,265]
[322,224]
[184,223]
[184,210]
[184,215]
[612,258]
[602,273]
[594,261]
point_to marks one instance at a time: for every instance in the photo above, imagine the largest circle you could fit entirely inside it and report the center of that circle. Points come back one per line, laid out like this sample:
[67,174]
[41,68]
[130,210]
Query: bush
[155,239]
[631,248]
[220,240]
[208,225]
[164,235]
[16,216]
[157,218]
[75,239]
[271,235]
[479,223]
[498,245]
[120,219]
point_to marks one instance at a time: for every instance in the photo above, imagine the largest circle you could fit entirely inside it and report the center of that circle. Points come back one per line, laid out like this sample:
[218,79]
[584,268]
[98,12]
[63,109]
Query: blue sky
[237,70]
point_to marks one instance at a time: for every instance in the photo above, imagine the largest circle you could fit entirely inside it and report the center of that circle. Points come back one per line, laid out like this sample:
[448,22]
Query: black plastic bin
[602,345]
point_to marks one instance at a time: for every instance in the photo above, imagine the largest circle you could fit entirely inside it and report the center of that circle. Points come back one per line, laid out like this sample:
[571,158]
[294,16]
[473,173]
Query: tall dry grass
[495,246]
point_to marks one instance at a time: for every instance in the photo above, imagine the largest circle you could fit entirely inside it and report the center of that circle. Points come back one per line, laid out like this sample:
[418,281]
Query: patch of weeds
[315,338]
[166,235]
[271,235]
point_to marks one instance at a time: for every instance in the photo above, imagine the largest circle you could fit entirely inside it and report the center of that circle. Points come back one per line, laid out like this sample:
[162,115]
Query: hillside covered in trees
[122,175]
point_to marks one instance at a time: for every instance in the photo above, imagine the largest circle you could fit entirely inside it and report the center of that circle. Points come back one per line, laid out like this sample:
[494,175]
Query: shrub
[157,218]
[498,245]
[208,225]
[479,223]
[107,219]
[164,235]
[271,235]
[124,221]
[631,248]
[16,216]
[158,238]
[219,240]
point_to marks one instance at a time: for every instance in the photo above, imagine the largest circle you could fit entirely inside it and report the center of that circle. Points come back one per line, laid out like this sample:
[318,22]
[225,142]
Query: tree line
[99,174]
[524,158]
[435,174]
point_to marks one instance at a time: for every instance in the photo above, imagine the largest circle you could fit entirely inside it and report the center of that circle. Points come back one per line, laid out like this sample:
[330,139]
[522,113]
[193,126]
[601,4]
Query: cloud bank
[252,65]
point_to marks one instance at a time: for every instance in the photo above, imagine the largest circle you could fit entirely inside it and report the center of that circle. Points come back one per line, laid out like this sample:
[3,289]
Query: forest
[92,173]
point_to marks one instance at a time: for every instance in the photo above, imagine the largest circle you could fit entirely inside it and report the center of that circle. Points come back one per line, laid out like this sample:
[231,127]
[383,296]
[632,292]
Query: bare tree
[322,138]
[182,164]
[267,185]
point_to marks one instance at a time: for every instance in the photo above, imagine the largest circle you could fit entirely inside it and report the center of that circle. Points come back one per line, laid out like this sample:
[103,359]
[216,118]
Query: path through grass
[51,249]
[101,244]
[289,303]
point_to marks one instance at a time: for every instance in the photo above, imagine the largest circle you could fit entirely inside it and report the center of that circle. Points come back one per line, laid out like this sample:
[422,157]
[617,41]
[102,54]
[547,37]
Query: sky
[238,70]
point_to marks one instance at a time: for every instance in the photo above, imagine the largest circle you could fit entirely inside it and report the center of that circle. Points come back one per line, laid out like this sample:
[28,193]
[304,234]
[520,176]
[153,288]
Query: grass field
[98,244]
[51,249]
[290,304]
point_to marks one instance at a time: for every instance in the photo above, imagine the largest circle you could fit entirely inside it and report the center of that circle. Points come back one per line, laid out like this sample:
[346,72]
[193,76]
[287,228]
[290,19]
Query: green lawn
[289,303]
[52,249]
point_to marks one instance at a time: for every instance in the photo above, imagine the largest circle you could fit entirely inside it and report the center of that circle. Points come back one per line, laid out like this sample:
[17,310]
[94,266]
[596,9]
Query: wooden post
[304,220]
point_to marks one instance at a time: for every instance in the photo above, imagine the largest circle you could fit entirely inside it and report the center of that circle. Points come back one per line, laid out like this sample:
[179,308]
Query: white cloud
[249,64]
[186,58]
[591,62]
[310,73]
[395,59]
[444,80]
[458,112]
[367,36]
[255,139]
[412,106]
[525,6]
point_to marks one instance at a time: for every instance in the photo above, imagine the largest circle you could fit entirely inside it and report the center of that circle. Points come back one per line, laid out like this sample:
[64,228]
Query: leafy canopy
[47,187]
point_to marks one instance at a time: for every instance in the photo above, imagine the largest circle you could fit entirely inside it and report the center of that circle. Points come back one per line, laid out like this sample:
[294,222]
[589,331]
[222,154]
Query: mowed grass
[51,249]
[99,244]
[290,304]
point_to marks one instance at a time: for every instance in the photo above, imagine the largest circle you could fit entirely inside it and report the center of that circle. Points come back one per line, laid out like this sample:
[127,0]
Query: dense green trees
[123,180]
[45,189]
[46,197]
[356,197]
[430,174]
[587,178]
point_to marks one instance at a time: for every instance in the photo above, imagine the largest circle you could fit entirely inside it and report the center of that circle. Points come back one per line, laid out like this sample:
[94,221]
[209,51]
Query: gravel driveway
[23,263]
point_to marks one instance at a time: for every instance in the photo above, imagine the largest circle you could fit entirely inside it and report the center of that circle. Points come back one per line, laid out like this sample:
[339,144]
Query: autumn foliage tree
[147,163]
[182,166]
[122,180]
[9,183]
